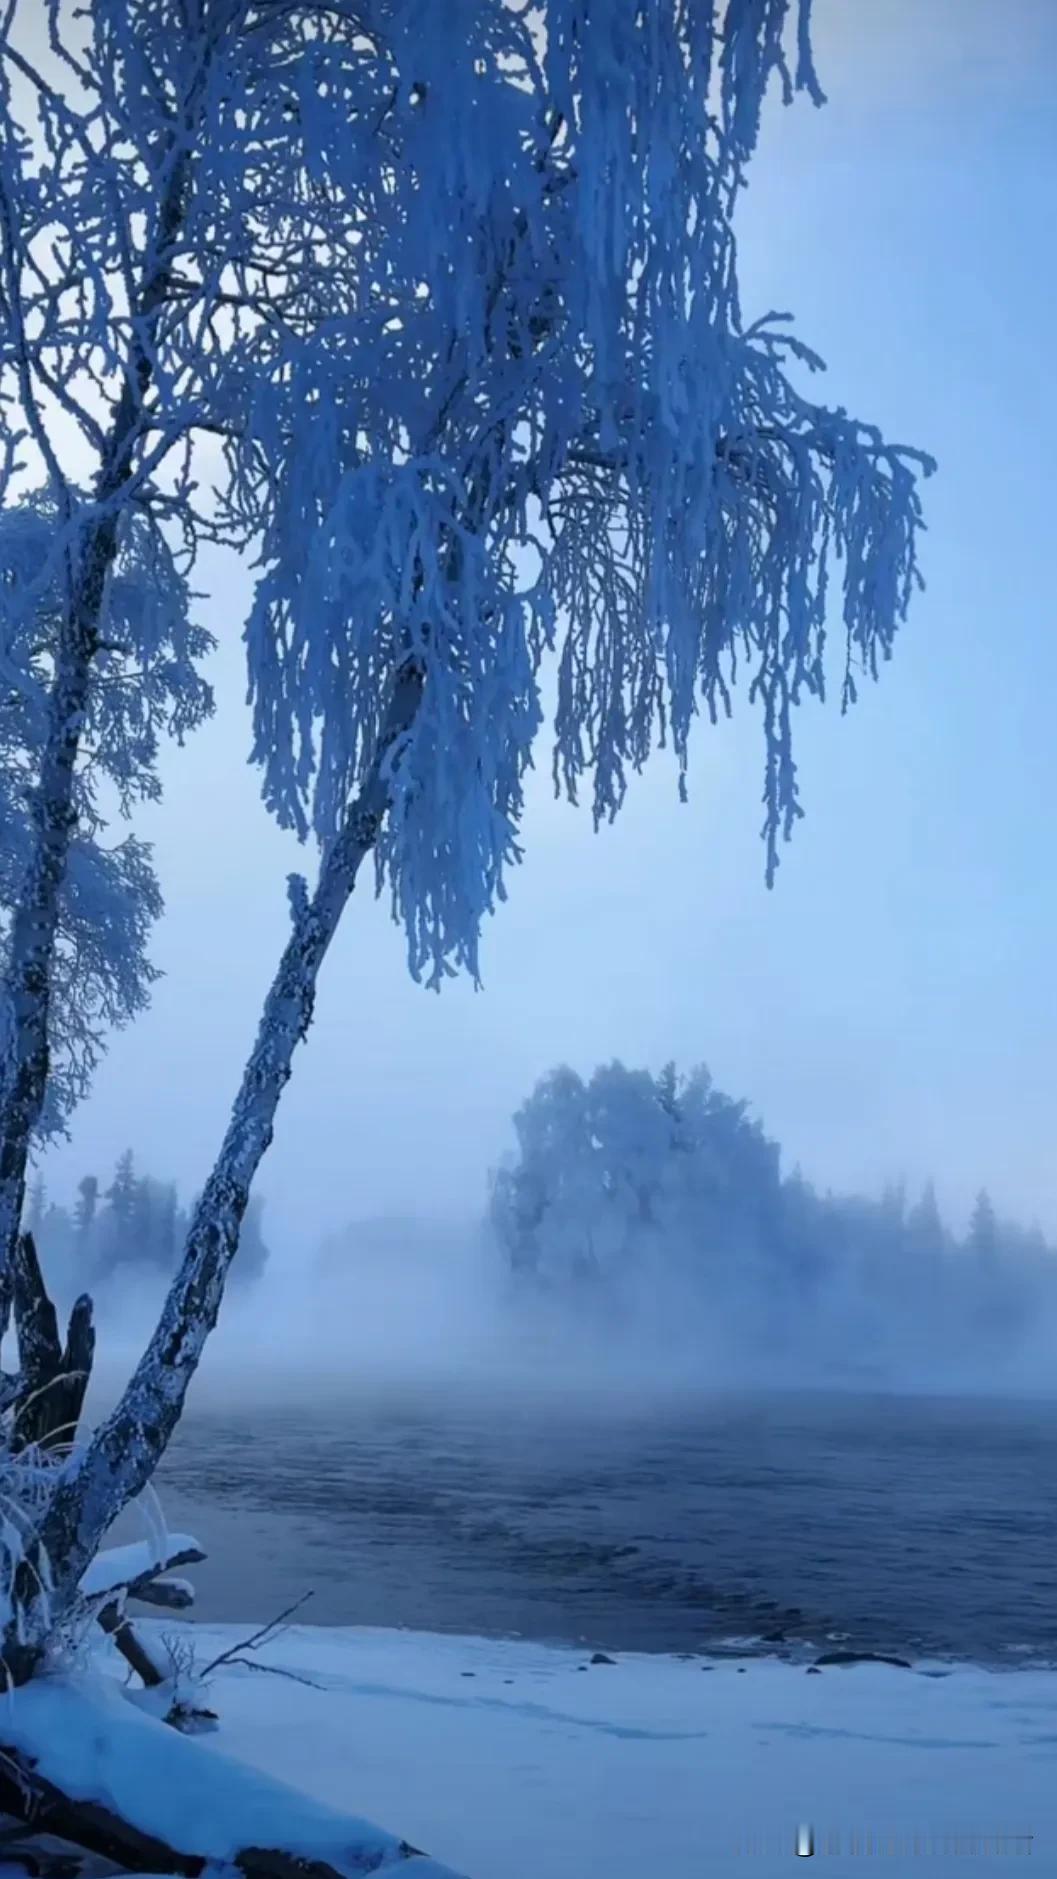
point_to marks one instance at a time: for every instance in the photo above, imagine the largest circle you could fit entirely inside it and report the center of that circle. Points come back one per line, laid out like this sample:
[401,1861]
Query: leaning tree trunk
[127,1447]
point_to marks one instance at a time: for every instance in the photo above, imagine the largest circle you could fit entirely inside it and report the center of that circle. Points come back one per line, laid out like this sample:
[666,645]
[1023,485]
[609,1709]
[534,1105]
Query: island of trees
[659,1200]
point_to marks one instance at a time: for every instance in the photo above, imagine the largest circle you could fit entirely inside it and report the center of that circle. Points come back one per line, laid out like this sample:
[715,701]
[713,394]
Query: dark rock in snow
[813,1670]
[601,1658]
[861,1657]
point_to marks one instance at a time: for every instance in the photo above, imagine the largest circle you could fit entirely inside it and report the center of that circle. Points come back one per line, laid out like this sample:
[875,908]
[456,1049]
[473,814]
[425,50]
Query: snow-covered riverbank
[512,1761]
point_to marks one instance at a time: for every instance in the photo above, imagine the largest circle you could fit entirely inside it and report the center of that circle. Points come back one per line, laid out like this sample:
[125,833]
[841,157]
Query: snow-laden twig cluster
[27,1483]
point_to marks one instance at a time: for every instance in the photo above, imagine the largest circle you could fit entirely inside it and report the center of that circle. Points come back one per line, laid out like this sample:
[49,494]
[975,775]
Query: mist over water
[412,1302]
[397,1428]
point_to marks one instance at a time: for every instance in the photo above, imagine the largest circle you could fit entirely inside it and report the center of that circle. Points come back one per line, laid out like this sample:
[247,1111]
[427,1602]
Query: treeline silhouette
[131,1229]
[659,1200]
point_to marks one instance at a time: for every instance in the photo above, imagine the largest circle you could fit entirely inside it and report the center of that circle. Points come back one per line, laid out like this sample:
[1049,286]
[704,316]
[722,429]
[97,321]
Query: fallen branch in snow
[273,1670]
[132,1569]
[136,1654]
[79,1762]
[133,1572]
[174,1595]
[84,1823]
[41,1855]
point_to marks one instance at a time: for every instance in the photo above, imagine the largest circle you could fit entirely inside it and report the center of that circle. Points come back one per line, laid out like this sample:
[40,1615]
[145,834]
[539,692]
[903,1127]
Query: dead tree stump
[53,1378]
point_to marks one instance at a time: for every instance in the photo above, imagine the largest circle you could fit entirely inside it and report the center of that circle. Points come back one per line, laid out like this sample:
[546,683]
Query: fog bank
[412,1304]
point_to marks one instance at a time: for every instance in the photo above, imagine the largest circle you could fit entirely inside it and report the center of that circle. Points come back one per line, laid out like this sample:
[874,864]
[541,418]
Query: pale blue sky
[890,1007]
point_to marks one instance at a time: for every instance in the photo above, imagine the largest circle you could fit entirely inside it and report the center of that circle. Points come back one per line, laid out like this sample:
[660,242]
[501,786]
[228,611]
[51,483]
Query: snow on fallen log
[80,1762]
[137,1655]
[135,1571]
[119,1567]
[174,1595]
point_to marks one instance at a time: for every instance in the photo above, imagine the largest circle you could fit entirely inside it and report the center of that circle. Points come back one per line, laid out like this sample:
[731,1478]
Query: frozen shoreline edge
[509,1759]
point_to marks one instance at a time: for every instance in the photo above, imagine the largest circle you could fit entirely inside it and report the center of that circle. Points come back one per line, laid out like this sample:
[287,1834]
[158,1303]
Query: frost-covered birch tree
[435,308]
[144,682]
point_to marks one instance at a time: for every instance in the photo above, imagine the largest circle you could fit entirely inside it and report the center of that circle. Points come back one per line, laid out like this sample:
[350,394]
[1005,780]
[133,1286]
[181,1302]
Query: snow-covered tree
[628,1171]
[118,1220]
[654,1207]
[983,1229]
[437,308]
[925,1225]
[85,1209]
[143,680]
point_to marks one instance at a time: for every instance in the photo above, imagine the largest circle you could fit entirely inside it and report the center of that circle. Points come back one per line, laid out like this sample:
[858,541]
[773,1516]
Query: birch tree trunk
[127,1447]
[33,929]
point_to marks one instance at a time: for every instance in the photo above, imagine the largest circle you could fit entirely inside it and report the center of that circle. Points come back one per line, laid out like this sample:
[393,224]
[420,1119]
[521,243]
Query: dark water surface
[924,1526]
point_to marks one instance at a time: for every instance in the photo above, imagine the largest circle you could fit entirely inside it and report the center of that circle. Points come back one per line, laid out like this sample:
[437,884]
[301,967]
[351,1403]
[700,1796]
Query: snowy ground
[510,1761]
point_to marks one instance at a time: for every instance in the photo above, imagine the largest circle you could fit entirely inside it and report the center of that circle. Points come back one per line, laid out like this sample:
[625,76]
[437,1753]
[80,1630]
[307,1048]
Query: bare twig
[273,1670]
[266,1635]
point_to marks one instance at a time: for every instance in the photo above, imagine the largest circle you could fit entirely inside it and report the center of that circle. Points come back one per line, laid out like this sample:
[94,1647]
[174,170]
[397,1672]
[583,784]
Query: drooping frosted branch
[685,511]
